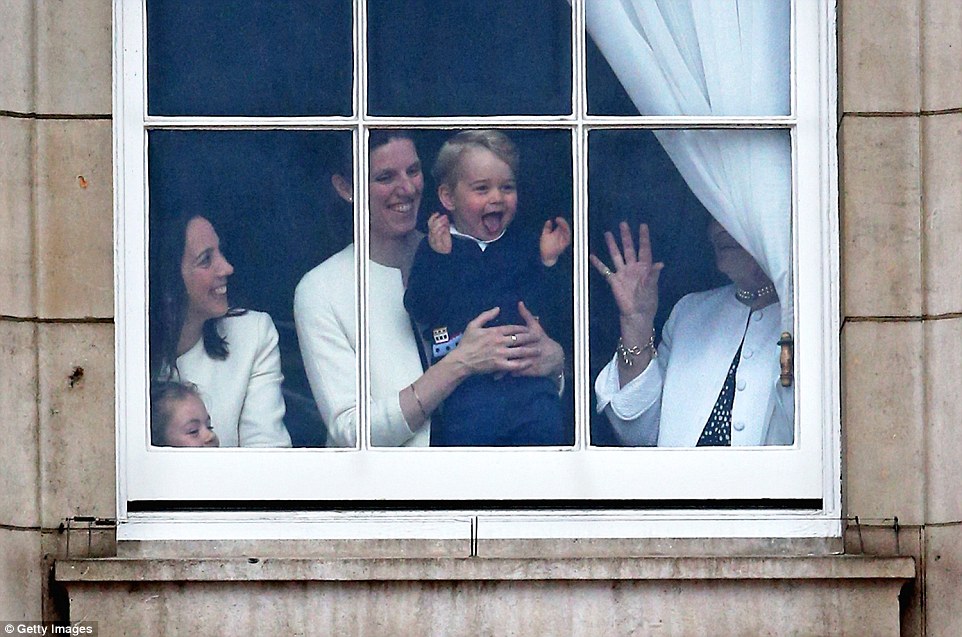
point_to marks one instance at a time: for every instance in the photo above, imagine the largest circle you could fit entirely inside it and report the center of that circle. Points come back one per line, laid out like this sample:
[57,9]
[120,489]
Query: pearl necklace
[748,297]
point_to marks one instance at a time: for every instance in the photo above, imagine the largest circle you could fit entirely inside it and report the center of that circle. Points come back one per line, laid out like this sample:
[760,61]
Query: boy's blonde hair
[447,167]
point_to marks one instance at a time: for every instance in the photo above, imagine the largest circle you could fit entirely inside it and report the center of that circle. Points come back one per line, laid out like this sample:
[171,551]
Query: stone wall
[56,286]
[901,217]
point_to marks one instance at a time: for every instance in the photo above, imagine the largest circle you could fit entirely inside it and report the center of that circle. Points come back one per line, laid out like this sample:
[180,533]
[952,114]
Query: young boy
[178,417]
[473,266]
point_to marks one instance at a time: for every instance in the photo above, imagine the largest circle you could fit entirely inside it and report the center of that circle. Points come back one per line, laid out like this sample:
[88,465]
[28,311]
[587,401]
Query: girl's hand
[555,239]
[634,280]
[439,233]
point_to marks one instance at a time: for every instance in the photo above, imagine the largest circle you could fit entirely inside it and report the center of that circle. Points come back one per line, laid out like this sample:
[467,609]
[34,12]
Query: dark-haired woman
[404,391]
[230,355]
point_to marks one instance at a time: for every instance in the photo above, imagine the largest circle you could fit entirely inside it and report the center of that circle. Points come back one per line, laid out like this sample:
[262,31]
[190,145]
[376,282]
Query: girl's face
[205,271]
[484,200]
[395,188]
[189,424]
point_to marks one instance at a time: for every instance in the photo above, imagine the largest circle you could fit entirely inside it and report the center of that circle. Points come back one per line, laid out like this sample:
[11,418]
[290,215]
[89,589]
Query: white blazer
[669,404]
[242,393]
[325,312]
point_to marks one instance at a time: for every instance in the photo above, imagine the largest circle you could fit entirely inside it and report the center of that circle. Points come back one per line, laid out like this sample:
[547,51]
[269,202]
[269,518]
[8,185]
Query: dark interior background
[268,192]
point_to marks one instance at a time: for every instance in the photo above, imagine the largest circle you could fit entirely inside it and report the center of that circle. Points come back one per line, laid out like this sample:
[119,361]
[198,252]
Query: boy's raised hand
[439,233]
[555,239]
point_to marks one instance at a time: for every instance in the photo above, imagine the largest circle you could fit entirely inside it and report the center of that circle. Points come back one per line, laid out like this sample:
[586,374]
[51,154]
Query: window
[669,115]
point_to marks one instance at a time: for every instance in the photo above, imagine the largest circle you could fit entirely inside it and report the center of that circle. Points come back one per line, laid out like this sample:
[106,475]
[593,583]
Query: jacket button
[748,353]
[738,426]
[740,385]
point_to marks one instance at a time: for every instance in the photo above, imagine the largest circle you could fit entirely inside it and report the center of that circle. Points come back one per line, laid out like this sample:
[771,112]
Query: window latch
[787,359]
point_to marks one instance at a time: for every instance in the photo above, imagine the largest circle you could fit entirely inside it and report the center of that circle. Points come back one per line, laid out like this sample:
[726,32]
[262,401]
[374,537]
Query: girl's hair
[447,167]
[162,395]
[168,300]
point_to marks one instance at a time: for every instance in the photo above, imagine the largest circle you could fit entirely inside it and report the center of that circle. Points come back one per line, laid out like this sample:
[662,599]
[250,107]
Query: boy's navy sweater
[450,290]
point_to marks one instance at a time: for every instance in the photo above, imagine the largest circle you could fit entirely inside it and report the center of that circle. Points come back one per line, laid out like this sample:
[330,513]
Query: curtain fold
[722,58]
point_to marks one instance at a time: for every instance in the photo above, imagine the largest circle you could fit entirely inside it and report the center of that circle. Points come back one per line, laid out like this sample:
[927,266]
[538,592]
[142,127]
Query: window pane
[255,58]
[476,57]
[491,202]
[267,196]
[689,58]
[703,328]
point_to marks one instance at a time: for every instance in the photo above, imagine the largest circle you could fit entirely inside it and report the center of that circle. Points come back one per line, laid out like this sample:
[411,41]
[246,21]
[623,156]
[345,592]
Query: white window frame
[579,475]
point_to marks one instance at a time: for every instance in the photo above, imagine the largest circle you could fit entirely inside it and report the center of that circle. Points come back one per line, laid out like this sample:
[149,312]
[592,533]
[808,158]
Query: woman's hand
[546,355]
[634,280]
[634,284]
[484,350]
[522,350]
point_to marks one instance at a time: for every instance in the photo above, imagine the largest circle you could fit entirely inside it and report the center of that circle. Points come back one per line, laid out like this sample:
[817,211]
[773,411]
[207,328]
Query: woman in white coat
[231,355]
[714,378]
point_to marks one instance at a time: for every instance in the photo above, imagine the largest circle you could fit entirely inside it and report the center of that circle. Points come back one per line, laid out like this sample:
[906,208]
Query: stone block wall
[56,287]
[900,148]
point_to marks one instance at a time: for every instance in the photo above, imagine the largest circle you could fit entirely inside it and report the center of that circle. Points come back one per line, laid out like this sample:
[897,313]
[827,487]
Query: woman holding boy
[405,390]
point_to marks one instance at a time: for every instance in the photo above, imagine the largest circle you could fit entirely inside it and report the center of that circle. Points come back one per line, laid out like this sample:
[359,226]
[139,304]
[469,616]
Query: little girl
[178,417]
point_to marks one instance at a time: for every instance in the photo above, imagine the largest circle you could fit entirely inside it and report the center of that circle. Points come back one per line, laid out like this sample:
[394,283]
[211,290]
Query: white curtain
[715,57]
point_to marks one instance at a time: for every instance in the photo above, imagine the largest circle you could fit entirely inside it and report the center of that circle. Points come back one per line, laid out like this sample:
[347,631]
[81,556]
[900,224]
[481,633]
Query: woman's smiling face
[396,185]
[205,271]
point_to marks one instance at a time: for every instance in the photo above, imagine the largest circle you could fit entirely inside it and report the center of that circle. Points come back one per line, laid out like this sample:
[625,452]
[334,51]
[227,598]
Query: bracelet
[628,353]
[418,399]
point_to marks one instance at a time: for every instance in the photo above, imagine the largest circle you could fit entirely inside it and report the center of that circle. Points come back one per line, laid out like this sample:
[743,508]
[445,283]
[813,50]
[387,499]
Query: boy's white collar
[481,243]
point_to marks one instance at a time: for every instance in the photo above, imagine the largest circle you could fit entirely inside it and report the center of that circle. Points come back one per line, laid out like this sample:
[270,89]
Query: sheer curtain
[725,58]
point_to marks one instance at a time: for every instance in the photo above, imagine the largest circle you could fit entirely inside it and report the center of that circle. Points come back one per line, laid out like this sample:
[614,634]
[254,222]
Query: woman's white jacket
[670,402]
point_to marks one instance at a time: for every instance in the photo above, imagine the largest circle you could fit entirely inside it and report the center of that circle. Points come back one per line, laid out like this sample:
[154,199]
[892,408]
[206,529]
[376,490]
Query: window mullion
[361,229]
[582,400]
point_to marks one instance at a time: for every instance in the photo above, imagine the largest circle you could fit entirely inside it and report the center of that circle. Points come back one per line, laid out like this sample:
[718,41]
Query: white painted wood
[810,469]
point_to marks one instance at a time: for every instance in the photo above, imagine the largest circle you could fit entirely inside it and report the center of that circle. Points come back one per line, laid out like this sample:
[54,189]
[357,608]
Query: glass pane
[476,57]
[718,306]
[264,198]
[501,203]
[689,58]
[254,58]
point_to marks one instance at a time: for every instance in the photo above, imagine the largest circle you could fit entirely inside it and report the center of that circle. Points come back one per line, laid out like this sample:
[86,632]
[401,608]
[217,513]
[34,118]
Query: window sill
[472,596]
[254,569]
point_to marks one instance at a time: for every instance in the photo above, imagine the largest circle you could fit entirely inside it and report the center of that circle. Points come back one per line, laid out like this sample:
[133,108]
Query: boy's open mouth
[492,222]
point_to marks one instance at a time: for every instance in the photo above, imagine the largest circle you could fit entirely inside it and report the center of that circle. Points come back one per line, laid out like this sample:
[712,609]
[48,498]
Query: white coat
[242,393]
[669,403]
[325,313]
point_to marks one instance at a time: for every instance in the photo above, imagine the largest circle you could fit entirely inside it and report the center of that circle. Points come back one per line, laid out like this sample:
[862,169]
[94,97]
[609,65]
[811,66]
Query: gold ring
[514,339]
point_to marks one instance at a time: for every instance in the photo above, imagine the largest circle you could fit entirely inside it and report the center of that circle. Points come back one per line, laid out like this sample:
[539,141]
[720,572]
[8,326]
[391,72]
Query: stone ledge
[118,570]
